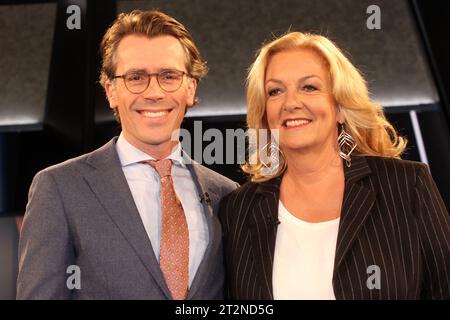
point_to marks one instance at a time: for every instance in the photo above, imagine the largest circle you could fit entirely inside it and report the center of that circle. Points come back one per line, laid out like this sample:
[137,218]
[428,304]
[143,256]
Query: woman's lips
[296,123]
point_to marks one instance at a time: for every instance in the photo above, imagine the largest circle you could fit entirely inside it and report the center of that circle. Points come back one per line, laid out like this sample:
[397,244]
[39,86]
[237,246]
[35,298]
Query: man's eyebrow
[142,70]
[135,70]
[301,79]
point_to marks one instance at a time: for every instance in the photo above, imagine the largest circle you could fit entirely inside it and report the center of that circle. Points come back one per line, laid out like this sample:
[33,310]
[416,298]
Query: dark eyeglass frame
[150,75]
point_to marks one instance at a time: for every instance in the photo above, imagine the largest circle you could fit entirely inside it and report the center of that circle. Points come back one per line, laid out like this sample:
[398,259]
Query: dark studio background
[52,107]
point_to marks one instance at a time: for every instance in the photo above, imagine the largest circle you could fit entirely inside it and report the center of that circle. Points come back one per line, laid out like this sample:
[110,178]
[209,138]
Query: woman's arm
[434,231]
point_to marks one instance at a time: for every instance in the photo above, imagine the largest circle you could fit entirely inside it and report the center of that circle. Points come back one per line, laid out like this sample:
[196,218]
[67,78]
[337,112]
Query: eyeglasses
[138,81]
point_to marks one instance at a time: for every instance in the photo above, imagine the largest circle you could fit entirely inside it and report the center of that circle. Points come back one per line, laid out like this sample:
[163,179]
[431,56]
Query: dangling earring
[346,145]
[270,163]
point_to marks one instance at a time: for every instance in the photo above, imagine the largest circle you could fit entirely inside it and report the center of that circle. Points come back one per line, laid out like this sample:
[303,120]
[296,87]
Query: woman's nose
[292,101]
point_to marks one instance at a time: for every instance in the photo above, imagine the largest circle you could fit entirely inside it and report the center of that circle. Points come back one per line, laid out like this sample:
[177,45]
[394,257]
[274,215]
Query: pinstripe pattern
[392,216]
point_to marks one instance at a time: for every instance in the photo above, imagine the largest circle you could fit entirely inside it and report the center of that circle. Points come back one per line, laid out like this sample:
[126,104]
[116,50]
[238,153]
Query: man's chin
[163,141]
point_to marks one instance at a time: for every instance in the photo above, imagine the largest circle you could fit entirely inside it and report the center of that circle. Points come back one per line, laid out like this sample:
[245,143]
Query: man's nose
[153,91]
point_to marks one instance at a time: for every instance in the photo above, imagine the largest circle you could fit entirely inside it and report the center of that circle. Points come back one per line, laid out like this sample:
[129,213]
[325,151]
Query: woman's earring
[346,145]
[270,155]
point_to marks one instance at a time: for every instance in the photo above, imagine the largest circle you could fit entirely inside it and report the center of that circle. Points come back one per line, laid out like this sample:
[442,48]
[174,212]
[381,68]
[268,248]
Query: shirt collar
[129,154]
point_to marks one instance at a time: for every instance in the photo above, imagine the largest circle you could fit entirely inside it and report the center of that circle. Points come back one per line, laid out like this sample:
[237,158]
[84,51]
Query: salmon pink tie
[174,248]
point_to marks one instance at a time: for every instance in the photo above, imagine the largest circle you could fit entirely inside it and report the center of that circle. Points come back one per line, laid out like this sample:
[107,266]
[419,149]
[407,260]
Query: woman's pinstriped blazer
[392,216]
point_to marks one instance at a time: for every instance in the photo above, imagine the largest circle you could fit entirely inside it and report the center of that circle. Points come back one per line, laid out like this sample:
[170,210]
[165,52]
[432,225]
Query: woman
[339,216]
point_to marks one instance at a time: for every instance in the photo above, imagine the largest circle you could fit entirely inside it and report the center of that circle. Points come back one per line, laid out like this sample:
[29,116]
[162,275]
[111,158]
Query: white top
[304,258]
[144,183]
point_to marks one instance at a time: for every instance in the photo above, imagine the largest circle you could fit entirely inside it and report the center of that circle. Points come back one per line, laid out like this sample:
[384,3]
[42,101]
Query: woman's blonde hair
[364,119]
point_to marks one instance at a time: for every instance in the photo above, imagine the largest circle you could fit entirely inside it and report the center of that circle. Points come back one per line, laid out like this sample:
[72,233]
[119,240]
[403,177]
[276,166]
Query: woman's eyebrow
[301,79]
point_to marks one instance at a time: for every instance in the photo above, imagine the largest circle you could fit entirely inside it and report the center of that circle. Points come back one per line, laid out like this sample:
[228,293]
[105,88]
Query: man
[134,219]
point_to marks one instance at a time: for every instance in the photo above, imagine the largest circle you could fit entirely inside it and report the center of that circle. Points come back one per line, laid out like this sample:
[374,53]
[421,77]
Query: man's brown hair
[151,24]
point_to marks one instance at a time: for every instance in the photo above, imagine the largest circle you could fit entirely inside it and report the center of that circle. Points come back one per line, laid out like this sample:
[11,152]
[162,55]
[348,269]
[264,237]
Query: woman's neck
[312,187]
[312,167]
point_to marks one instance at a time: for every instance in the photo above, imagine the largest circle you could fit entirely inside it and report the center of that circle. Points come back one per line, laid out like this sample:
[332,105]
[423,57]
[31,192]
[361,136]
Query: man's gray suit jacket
[81,219]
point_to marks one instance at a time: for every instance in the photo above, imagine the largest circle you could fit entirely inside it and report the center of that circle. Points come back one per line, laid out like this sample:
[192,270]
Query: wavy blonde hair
[364,119]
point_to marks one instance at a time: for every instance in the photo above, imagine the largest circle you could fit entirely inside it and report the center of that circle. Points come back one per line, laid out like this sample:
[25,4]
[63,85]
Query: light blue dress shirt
[144,183]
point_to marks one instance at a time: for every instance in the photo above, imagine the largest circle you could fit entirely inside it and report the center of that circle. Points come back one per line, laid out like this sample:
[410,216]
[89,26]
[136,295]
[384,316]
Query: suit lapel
[263,228]
[208,197]
[109,185]
[357,203]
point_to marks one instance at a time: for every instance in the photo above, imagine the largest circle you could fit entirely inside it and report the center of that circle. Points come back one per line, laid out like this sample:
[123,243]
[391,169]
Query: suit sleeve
[434,232]
[45,248]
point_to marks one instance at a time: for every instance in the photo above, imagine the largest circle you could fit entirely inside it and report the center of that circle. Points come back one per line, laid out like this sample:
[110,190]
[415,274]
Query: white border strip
[418,136]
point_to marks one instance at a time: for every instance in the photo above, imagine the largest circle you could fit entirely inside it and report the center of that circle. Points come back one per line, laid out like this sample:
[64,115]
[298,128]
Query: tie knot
[163,167]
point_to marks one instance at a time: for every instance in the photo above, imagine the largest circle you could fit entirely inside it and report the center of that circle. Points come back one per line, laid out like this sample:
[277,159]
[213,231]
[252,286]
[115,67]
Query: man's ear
[111,94]
[191,90]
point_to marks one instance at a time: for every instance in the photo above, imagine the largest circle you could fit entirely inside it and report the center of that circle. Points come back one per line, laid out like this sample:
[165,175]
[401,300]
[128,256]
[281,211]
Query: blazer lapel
[357,203]
[109,185]
[263,227]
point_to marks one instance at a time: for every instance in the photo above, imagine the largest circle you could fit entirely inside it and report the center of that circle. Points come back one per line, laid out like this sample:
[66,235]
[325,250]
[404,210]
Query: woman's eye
[273,92]
[309,88]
